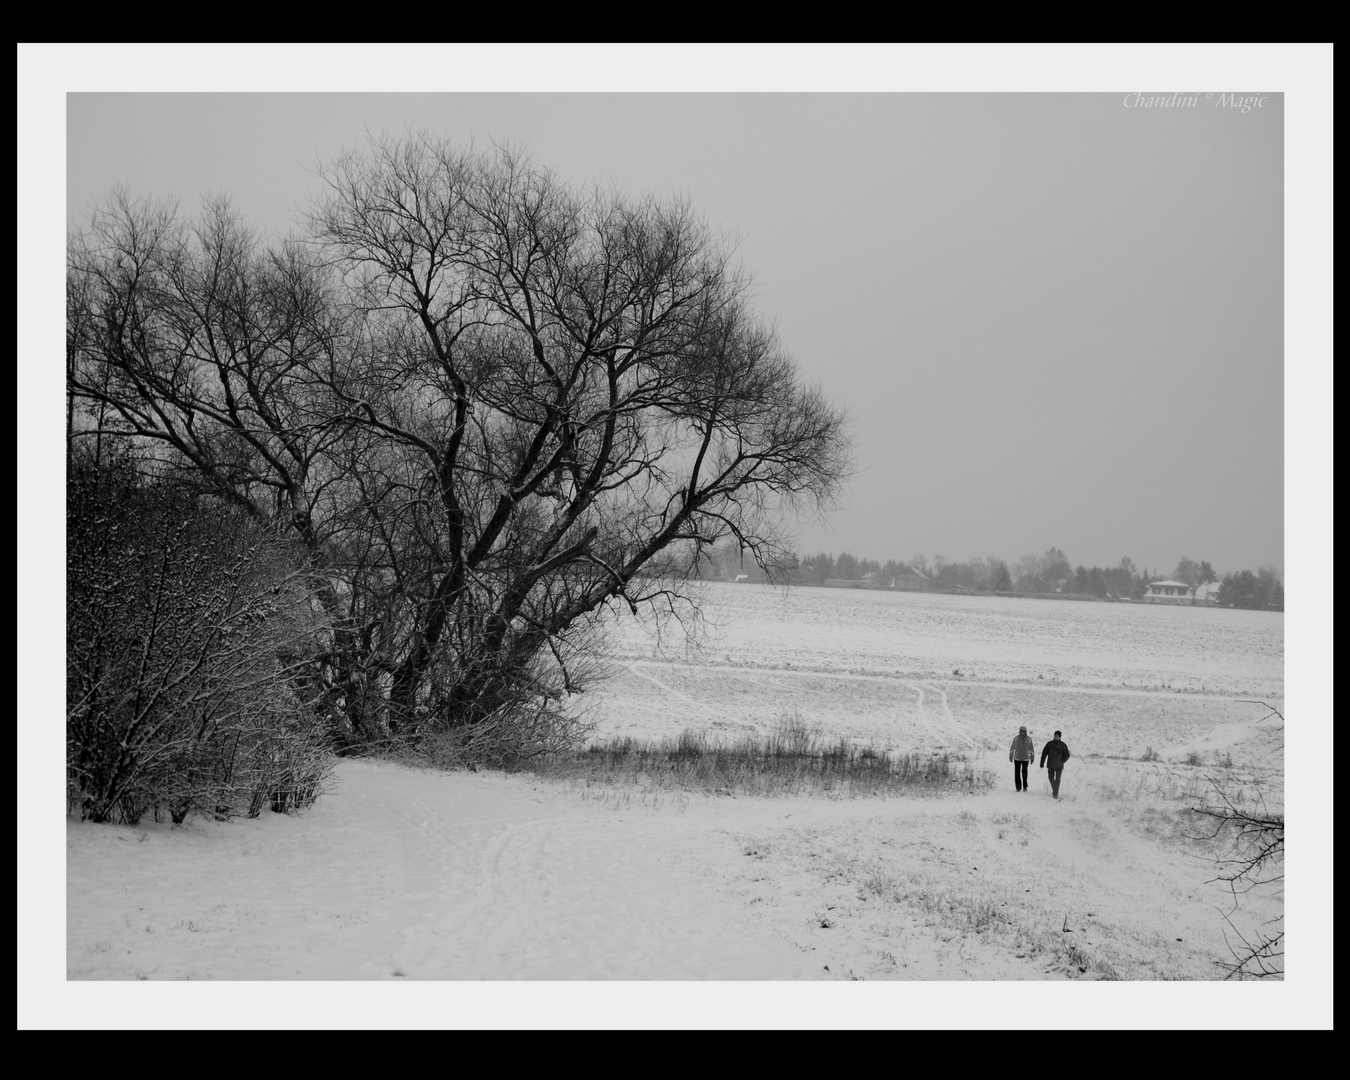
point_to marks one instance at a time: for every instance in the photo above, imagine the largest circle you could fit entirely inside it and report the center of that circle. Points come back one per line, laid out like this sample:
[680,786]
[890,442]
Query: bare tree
[487,404]
[1254,859]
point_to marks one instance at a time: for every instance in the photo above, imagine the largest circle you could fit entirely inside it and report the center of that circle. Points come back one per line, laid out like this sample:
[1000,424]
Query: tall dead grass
[792,759]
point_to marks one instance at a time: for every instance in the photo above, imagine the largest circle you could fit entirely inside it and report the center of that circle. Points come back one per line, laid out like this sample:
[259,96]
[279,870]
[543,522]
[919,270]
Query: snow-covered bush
[177,611]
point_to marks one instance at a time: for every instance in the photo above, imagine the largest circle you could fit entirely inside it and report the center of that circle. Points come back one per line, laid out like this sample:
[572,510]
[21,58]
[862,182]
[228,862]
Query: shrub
[176,612]
[1250,843]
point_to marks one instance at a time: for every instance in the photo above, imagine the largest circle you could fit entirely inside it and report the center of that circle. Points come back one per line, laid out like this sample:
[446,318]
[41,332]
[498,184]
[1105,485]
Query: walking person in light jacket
[1058,754]
[1020,754]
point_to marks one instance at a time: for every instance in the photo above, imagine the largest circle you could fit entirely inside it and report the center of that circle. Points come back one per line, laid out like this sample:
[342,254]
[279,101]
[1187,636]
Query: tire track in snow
[922,713]
[945,729]
[995,684]
[949,718]
[633,667]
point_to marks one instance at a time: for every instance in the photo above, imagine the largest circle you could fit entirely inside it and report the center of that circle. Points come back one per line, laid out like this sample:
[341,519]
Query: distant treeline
[1049,574]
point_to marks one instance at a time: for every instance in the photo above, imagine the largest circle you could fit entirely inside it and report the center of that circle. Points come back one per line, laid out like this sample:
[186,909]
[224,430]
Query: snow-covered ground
[404,875]
[407,874]
[655,907]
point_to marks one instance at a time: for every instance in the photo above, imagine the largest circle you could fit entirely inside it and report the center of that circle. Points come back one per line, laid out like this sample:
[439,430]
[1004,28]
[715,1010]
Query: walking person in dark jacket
[1020,754]
[1057,754]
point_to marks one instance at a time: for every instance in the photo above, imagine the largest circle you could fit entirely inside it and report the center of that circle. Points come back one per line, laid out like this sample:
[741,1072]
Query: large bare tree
[485,403]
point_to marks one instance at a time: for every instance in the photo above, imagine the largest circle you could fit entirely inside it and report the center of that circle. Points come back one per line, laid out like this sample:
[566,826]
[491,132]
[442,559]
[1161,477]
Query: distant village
[1049,576]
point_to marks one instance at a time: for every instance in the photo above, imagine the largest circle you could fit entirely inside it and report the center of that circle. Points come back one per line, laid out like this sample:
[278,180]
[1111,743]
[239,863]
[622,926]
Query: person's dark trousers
[1020,774]
[1054,778]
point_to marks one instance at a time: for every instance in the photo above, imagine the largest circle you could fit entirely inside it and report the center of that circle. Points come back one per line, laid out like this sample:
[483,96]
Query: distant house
[1207,594]
[910,578]
[1169,592]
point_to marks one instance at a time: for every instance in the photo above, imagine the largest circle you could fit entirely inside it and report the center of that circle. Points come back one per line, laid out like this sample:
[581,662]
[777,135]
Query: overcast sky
[1055,319]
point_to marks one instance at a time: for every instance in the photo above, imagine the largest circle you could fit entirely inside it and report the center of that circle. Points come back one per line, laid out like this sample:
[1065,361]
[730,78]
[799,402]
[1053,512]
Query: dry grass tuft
[794,759]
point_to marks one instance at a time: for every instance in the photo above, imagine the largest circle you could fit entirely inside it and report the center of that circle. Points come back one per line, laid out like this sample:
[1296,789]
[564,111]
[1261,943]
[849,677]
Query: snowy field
[513,884]
[960,673]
